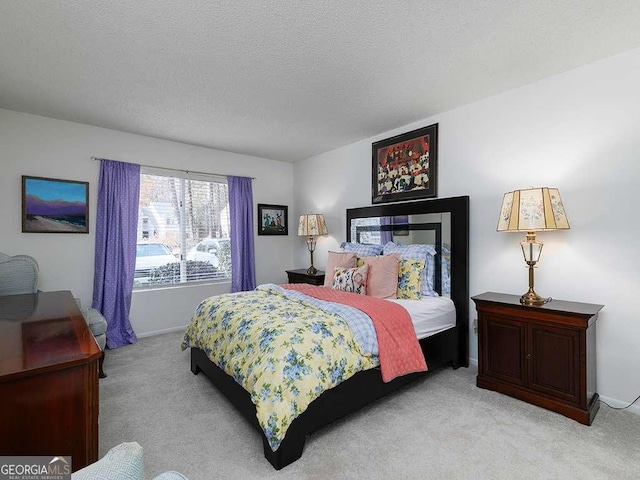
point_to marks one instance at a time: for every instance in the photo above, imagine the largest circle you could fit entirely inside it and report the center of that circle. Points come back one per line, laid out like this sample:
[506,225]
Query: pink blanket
[398,347]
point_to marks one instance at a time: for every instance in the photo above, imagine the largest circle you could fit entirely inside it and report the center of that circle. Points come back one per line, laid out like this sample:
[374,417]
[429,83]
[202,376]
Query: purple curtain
[243,265]
[115,255]
[386,236]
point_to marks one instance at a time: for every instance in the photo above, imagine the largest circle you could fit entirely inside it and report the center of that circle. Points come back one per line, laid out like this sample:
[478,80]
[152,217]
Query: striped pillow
[361,249]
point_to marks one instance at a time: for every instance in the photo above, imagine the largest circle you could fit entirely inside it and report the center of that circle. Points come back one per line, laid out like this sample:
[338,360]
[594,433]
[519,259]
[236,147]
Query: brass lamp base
[532,298]
[311,245]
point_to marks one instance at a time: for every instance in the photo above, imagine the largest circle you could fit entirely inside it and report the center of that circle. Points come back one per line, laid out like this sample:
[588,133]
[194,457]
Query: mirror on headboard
[420,228]
[423,222]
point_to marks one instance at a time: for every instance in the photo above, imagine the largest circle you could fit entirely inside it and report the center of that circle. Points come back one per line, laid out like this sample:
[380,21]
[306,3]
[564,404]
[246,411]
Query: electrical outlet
[475,326]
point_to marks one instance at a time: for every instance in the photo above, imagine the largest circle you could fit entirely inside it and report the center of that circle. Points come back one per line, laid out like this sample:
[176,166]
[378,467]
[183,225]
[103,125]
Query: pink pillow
[338,259]
[382,281]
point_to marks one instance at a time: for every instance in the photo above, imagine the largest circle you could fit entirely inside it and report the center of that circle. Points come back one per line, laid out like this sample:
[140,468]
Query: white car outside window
[207,251]
[151,255]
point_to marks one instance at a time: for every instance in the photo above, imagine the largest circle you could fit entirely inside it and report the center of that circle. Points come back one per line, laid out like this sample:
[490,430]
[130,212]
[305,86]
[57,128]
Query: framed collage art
[405,167]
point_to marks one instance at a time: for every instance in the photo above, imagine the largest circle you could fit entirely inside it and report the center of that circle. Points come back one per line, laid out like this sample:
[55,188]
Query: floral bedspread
[284,351]
[398,348]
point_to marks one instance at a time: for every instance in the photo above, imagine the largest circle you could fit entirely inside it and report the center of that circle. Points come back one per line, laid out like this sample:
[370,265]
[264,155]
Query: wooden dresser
[545,355]
[48,378]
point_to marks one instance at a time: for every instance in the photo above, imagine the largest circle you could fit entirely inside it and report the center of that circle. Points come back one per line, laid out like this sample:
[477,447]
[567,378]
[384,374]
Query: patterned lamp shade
[532,210]
[312,224]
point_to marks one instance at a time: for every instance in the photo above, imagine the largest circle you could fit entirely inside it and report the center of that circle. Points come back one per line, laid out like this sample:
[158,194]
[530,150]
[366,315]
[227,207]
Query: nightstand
[301,276]
[544,355]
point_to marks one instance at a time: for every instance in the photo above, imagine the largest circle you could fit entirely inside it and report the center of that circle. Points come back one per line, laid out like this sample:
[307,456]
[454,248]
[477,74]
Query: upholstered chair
[122,462]
[98,326]
[18,274]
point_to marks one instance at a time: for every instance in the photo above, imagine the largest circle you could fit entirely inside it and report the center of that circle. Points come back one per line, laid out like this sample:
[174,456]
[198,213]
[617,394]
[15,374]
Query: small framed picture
[50,205]
[273,219]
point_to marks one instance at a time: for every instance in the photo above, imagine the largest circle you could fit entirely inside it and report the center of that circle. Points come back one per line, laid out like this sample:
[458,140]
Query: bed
[442,222]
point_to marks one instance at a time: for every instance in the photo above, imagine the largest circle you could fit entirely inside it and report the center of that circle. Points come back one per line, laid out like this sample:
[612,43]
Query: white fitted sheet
[429,315]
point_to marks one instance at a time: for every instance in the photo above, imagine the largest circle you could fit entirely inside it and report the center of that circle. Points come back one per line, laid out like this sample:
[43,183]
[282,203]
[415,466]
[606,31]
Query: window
[183,229]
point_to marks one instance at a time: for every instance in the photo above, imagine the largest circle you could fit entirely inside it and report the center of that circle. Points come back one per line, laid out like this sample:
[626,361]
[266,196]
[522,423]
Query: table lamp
[311,225]
[532,210]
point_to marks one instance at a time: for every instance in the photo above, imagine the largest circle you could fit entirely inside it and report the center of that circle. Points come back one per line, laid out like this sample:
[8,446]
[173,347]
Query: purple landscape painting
[54,206]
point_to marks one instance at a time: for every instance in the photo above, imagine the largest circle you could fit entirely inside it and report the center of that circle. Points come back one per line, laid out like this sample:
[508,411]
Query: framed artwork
[51,205]
[405,167]
[273,219]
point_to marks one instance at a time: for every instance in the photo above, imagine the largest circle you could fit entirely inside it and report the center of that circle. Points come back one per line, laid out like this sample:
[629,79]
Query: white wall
[578,131]
[44,147]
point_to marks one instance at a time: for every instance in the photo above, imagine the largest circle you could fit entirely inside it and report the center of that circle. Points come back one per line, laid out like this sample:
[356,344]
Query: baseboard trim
[181,328]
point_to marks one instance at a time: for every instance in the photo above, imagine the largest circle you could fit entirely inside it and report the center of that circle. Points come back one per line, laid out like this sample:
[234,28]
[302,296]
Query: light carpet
[439,427]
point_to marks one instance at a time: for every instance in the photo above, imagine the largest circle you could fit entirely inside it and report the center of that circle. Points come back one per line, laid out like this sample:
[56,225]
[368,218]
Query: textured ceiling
[288,79]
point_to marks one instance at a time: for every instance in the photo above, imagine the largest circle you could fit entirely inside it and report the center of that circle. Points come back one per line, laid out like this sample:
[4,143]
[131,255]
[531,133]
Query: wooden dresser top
[42,331]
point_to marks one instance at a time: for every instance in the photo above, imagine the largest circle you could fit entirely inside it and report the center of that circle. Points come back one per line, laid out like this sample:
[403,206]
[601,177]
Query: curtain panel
[243,270]
[115,252]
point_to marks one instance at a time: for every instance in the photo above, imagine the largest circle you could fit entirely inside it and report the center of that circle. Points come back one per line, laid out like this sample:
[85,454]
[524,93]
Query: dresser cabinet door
[503,348]
[553,361]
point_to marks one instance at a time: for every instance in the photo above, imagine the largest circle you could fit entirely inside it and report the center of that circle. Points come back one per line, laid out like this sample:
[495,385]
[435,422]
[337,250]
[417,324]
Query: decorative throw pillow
[361,249]
[418,252]
[338,259]
[409,277]
[382,281]
[352,280]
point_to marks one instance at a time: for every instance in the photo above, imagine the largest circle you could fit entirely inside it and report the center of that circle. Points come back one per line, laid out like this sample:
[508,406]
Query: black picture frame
[405,167]
[52,205]
[273,219]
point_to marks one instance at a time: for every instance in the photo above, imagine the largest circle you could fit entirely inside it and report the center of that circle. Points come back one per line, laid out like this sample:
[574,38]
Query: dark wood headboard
[458,244]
